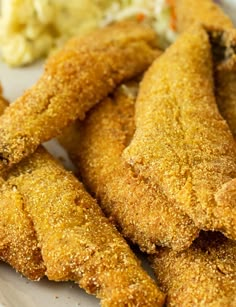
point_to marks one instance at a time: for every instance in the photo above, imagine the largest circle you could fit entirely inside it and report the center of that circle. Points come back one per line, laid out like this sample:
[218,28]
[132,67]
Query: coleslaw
[30,29]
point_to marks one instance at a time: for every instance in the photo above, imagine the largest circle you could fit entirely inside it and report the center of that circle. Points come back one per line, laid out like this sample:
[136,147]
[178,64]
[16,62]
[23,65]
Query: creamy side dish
[30,29]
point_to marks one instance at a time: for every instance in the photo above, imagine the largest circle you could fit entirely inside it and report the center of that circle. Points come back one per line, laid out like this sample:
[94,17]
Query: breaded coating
[142,212]
[18,242]
[3,101]
[75,78]
[181,142]
[223,38]
[226,96]
[48,222]
[206,12]
[203,275]
[225,77]
[77,242]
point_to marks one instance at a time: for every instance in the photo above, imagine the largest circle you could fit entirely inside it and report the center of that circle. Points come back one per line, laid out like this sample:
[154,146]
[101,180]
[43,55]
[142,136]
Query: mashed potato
[30,29]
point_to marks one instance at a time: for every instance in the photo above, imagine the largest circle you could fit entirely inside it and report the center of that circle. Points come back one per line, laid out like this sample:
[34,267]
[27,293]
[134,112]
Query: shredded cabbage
[30,29]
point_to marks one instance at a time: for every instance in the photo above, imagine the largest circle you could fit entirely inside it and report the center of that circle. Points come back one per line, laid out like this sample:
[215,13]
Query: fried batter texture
[18,241]
[205,12]
[3,101]
[75,78]
[142,212]
[223,38]
[203,275]
[77,242]
[181,142]
[226,96]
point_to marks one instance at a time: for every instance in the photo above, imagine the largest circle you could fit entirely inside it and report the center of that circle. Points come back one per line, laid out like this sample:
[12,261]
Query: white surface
[229,7]
[16,291]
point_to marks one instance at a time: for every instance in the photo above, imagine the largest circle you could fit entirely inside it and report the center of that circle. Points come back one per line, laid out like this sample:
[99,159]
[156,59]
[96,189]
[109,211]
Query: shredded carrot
[140,17]
[171,4]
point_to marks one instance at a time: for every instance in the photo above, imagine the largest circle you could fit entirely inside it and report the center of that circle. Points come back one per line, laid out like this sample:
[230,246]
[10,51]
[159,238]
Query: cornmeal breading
[18,241]
[3,102]
[203,275]
[220,28]
[181,142]
[141,211]
[50,225]
[75,78]
[77,242]
[226,96]
[205,12]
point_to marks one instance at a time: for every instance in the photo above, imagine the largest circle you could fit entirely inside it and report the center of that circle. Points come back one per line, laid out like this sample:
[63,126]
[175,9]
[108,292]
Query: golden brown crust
[203,275]
[50,225]
[226,96]
[77,242]
[205,12]
[18,241]
[40,199]
[181,142]
[142,212]
[75,78]
[223,39]
[3,102]
[217,24]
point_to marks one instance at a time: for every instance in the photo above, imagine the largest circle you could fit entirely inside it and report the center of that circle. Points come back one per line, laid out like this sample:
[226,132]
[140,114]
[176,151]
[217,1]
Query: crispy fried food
[18,242]
[75,78]
[203,275]
[226,96]
[205,12]
[3,102]
[77,242]
[141,212]
[223,38]
[181,142]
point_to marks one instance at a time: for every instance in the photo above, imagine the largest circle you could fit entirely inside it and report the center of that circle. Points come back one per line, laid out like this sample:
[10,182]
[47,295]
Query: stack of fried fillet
[49,224]
[157,155]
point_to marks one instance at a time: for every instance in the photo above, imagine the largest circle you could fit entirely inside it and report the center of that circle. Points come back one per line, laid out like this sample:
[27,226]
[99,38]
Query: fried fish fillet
[18,240]
[181,142]
[3,102]
[142,212]
[206,12]
[203,275]
[17,236]
[226,96]
[75,78]
[220,28]
[77,242]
